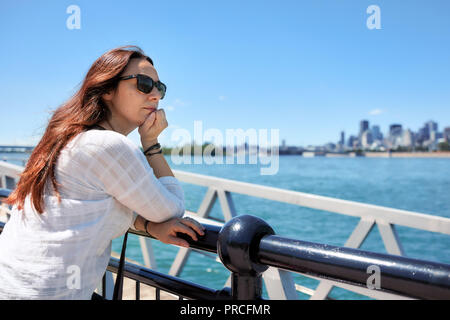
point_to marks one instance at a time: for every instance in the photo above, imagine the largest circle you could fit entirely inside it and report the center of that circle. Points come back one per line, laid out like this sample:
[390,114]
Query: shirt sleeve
[118,167]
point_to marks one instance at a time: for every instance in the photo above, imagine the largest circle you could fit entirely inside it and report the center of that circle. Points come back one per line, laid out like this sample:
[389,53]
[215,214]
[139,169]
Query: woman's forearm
[139,223]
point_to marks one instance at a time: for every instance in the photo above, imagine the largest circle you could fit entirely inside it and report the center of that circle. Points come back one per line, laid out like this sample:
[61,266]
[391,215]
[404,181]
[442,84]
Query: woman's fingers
[194,225]
[154,124]
[177,241]
[162,119]
[187,226]
[181,227]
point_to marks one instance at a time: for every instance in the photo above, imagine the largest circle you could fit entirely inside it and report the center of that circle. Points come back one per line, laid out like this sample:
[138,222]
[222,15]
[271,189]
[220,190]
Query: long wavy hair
[82,111]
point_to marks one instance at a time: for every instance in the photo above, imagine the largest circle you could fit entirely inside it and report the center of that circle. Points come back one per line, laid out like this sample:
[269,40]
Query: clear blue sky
[307,68]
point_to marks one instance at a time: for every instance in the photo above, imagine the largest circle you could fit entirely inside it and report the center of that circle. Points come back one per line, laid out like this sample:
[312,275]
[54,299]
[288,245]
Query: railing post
[237,246]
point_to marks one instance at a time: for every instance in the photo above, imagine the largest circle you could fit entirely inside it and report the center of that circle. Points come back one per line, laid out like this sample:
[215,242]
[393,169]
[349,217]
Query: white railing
[279,283]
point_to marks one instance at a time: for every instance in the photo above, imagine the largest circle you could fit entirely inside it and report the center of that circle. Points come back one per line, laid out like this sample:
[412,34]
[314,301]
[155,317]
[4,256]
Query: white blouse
[63,253]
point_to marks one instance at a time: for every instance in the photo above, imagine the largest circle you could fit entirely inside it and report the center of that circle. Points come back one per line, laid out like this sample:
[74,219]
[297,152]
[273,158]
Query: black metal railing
[160,281]
[247,246]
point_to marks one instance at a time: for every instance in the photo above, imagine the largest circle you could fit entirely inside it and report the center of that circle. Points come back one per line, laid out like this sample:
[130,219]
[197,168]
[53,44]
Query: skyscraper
[407,138]
[431,126]
[447,134]
[363,126]
[366,139]
[376,133]
[351,141]
[395,130]
[395,135]
[422,135]
[342,141]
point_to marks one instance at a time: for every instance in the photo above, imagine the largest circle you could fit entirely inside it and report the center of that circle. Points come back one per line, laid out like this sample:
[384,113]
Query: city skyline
[440,130]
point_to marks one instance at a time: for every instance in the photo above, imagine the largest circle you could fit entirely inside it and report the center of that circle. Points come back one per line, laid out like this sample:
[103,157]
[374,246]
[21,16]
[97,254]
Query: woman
[86,184]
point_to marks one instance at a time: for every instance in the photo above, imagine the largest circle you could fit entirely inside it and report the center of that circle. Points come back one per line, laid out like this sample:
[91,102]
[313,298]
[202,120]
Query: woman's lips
[150,109]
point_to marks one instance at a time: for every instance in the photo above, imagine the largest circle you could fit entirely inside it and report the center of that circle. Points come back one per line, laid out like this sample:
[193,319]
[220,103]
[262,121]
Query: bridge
[16,148]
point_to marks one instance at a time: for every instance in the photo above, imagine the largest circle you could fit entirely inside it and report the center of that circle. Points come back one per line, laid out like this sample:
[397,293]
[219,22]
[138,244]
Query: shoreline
[397,155]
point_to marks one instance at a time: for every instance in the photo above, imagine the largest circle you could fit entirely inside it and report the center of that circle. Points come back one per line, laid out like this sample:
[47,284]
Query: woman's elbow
[179,212]
[174,211]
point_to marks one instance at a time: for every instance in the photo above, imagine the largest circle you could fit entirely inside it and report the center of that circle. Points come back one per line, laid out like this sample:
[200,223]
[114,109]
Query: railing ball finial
[237,246]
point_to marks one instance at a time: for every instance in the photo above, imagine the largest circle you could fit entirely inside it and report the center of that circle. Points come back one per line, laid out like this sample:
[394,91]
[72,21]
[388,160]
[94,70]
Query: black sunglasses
[145,84]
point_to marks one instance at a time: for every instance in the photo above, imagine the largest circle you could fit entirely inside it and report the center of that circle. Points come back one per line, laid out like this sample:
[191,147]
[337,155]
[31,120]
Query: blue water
[419,185]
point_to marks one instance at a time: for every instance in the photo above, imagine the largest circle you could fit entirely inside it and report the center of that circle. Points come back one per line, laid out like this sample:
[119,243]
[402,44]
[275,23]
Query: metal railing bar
[399,275]
[168,283]
[138,290]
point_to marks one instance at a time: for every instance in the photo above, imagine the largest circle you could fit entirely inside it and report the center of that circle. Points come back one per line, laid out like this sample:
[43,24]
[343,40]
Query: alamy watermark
[250,145]
[374,20]
[74,279]
[374,280]
[74,20]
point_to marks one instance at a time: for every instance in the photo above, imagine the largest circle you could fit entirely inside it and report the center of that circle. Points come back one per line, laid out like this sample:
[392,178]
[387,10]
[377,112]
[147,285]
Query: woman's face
[130,107]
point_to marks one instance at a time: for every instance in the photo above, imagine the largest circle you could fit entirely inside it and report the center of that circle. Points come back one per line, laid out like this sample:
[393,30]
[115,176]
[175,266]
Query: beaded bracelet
[155,146]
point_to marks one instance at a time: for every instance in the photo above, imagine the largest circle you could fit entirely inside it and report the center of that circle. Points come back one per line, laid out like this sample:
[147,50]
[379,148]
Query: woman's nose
[154,94]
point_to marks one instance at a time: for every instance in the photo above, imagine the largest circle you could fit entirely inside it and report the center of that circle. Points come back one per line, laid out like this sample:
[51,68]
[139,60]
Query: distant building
[407,138]
[363,126]
[395,135]
[351,141]
[422,135]
[342,141]
[376,133]
[377,145]
[433,136]
[366,139]
[446,135]
[330,147]
[431,126]
[395,130]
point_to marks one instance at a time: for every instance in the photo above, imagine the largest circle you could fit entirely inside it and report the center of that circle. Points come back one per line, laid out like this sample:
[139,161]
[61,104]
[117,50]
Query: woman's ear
[108,96]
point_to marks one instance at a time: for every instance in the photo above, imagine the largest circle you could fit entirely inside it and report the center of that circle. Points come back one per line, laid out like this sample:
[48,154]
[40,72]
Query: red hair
[83,110]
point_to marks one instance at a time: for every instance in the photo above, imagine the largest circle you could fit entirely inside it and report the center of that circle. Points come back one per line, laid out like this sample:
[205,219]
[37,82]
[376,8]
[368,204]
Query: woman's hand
[150,129]
[166,232]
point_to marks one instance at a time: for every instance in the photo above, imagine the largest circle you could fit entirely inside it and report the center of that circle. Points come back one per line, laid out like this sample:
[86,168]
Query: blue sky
[307,68]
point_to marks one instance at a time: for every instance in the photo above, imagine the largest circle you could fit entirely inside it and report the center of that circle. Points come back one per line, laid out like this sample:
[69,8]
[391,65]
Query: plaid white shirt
[63,253]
